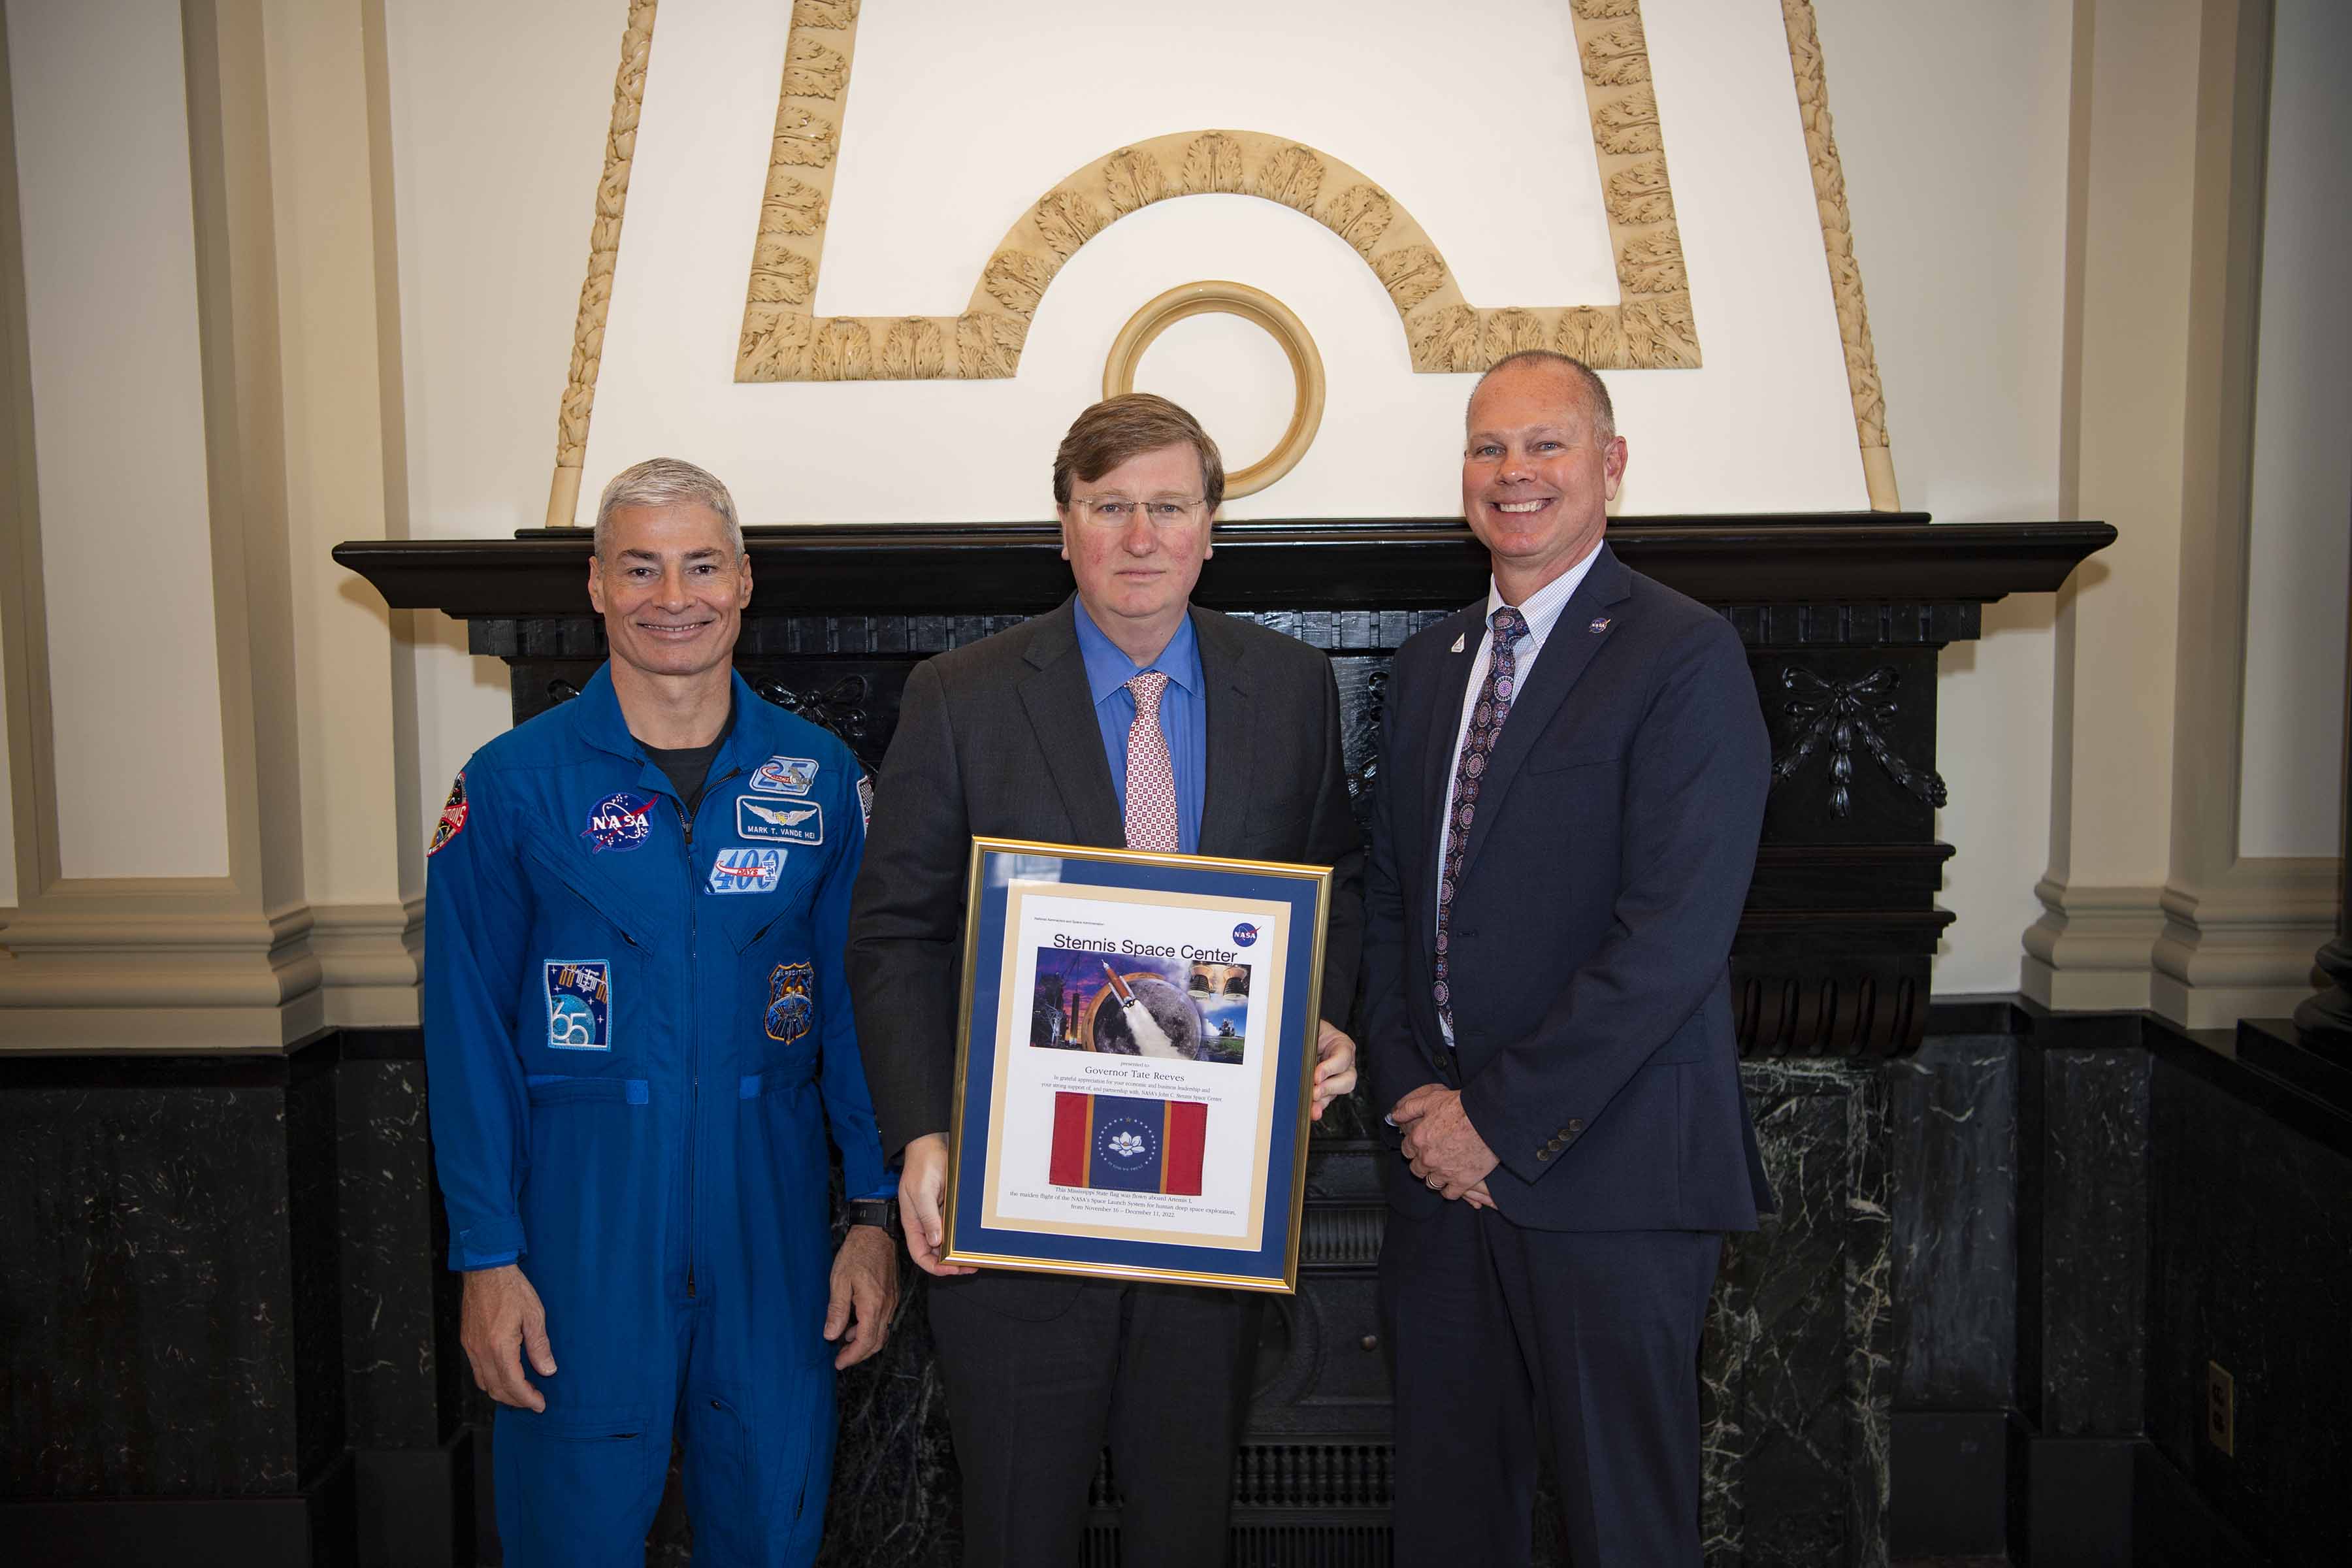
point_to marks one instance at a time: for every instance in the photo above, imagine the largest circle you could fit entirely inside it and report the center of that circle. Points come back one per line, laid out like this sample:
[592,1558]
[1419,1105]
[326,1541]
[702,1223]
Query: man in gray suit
[1125,718]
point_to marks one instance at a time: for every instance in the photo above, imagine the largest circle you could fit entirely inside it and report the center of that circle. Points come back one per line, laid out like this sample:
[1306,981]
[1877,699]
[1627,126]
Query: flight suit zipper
[694,1038]
[694,1016]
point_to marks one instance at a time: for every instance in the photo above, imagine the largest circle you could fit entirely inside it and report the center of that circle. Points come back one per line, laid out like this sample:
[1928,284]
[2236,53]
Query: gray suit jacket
[999,740]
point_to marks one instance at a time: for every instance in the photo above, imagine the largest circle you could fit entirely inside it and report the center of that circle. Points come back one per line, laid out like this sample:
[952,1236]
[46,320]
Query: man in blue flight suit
[637,1034]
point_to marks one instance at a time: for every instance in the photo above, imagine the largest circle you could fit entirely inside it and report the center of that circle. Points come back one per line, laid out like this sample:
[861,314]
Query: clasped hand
[1443,1150]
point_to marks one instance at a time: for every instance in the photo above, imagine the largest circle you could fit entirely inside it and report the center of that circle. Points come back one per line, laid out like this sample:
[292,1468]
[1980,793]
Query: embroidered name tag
[778,822]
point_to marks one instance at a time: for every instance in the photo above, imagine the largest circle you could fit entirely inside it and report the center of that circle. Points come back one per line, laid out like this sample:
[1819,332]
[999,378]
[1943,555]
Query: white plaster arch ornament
[1651,326]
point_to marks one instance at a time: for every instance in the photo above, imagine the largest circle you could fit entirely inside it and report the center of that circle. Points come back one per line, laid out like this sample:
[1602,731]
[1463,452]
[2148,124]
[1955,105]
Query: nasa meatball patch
[621,821]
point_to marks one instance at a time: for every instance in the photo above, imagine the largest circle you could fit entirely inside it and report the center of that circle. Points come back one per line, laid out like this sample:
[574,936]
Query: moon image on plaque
[1138,1006]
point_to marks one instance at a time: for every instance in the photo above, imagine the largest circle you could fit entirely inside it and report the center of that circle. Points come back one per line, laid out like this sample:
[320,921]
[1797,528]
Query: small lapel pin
[1600,626]
[1459,643]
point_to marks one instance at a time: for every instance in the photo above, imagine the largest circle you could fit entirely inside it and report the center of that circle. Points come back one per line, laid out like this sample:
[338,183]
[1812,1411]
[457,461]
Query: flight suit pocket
[604,895]
[559,1088]
[587,1424]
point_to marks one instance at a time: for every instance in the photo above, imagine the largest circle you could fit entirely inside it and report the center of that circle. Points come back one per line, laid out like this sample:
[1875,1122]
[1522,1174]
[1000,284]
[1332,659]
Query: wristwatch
[883,1212]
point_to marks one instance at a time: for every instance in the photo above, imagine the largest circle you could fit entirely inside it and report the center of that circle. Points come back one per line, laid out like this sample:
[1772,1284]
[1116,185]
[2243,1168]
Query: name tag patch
[776,822]
[785,775]
[747,870]
[579,1004]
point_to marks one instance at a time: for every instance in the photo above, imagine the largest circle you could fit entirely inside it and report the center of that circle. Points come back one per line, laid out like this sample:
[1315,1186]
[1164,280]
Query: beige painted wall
[2302,524]
[101,124]
[7,790]
[1960,215]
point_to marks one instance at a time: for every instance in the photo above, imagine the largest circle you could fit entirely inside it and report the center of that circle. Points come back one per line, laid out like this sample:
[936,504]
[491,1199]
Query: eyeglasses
[1117,512]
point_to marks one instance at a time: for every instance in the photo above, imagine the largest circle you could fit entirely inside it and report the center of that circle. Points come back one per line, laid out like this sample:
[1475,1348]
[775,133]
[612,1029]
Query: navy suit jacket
[1589,948]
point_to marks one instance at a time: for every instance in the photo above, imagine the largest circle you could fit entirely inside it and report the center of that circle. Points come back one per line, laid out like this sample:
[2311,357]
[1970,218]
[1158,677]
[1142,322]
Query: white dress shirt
[1542,613]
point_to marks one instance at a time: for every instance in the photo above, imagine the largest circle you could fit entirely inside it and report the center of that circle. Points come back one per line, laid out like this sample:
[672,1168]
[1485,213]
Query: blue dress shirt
[1183,713]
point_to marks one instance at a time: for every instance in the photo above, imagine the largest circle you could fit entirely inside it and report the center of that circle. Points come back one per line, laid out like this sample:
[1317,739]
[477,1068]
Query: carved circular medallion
[1252,305]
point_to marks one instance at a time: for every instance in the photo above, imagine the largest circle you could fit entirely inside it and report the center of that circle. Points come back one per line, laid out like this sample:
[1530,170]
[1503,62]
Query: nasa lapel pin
[1599,626]
[1459,643]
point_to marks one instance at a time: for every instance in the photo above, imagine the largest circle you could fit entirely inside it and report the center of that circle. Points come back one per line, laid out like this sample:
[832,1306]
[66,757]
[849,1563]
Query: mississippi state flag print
[1128,1144]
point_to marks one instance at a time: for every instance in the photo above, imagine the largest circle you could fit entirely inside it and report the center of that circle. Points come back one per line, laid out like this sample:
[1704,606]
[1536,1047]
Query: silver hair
[667,481]
[1596,391]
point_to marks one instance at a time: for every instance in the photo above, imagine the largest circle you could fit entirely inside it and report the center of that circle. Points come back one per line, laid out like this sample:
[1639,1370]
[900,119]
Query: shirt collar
[1108,668]
[604,726]
[1544,606]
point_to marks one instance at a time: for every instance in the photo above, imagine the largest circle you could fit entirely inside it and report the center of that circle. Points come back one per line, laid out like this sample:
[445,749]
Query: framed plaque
[1135,1064]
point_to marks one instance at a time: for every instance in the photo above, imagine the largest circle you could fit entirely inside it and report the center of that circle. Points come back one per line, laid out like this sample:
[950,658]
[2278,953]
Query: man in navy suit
[1572,793]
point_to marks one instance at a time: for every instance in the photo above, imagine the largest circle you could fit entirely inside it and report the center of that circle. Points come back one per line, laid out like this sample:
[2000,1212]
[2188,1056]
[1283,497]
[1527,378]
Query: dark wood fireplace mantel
[1842,614]
[997,568]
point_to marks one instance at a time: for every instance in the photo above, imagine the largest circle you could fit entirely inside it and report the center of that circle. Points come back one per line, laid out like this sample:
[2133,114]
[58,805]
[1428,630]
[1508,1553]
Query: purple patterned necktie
[1477,744]
[1153,821]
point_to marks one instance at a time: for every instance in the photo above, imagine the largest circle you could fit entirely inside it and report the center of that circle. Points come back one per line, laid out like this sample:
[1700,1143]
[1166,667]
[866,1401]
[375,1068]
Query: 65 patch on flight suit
[579,1004]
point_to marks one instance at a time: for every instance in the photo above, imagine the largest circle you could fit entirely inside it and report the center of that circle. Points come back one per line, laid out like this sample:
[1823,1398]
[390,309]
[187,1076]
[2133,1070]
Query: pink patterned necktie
[1151,819]
[1477,745]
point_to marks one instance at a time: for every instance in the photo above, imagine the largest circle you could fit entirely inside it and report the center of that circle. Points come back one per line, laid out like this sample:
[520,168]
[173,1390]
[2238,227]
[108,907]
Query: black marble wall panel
[148,1304]
[313,1224]
[2252,1229]
[1797,1369]
[399,1338]
[2085,1180]
[1952,1111]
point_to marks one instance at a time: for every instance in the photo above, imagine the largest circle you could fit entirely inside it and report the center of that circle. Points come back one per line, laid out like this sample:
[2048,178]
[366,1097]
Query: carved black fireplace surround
[2010,1243]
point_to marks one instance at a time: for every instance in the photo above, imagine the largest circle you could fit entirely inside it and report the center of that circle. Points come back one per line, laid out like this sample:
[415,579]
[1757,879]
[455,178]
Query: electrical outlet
[2221,1408]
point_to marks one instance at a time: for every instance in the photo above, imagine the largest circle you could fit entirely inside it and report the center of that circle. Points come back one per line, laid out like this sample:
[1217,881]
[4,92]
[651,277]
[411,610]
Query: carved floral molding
[1652,327]
[782,340]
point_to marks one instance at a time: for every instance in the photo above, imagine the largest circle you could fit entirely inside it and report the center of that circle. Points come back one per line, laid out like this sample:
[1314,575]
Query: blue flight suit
[636,1033]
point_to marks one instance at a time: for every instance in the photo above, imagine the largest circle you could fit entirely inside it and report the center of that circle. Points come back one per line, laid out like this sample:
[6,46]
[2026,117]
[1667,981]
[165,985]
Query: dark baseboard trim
[2172,1524]
[1950,1470]
[415,1506]
[2089,1502]
[2070,1500]
[2277,1047]
[310,1528]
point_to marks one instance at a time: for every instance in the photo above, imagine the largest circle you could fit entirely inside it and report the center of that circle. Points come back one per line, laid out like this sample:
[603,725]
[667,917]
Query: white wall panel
[2297,573]
[102,174]
[963,123]
[1951,124]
